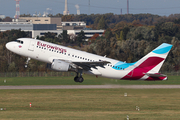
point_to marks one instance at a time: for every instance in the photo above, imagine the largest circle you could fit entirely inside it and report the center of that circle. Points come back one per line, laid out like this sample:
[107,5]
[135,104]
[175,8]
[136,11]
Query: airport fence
[37,74]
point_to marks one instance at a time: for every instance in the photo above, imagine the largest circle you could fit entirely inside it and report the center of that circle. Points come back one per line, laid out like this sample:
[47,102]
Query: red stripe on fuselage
[143,68]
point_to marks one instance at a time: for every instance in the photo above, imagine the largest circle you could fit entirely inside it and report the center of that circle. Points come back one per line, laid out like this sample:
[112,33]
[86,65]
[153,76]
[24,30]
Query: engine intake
[59,65]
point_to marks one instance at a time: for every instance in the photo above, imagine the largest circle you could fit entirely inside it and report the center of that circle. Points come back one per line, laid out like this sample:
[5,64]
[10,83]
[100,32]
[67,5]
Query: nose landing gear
[26,65]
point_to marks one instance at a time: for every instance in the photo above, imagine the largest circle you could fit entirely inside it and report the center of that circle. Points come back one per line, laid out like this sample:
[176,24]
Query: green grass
[89,80]
[91,104]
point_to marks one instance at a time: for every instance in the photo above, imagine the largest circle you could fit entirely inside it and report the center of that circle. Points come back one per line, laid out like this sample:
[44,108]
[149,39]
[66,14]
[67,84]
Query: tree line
[126,38]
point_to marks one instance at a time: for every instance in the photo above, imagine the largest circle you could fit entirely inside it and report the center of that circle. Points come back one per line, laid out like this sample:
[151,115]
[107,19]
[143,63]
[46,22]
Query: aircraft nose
[9,46]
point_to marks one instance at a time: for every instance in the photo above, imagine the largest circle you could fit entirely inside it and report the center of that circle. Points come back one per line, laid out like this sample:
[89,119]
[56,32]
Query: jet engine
[59,65]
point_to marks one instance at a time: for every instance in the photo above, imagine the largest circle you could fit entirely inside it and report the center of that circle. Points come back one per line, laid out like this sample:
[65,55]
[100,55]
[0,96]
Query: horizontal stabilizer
[155,75]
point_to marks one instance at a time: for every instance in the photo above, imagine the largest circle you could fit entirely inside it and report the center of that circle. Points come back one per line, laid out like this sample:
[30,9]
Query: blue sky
[159,7]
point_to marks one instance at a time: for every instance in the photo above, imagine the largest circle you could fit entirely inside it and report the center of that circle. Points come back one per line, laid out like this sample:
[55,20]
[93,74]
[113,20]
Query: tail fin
[150,64]
[155,59]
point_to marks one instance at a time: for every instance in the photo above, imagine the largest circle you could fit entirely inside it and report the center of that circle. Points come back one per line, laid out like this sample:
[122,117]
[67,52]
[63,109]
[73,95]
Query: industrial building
[33,29]
[44,20]
[38,26]
[88,33]
[24,26]
[2,16]
[73,25]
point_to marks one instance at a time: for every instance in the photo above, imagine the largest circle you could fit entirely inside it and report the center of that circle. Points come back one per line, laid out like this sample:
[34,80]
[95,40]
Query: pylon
[17,9]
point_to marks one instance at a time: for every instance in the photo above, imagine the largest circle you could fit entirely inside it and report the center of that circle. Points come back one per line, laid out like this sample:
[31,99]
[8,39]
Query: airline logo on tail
[163,49]
[149,66]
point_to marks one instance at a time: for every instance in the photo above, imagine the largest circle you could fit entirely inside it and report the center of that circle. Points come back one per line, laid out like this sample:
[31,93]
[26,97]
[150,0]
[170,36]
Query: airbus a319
[63,59]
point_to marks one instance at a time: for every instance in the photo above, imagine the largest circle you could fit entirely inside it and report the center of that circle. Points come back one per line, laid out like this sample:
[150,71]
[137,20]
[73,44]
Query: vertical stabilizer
[155,59]
[150,64]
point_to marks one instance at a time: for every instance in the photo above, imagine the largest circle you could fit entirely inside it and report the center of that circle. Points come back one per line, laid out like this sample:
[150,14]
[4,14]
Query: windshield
[19,41]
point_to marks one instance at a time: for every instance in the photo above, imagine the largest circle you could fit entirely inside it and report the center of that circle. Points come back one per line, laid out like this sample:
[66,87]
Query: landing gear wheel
[80,79]
[26,66]
[76,79]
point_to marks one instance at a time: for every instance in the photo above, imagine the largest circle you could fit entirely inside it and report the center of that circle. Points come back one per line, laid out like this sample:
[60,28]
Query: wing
[85,65]
[88,65]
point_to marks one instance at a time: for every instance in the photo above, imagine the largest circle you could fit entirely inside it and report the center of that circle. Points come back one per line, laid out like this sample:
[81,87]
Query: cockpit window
[19,41]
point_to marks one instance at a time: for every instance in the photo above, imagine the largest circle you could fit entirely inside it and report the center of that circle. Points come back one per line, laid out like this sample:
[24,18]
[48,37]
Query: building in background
[88,33]
[38,26]
[73,25]
[33,30]
[2,16]
[44,20]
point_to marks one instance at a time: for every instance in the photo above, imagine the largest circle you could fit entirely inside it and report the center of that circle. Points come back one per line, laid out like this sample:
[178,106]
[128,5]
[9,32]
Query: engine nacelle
[59,65]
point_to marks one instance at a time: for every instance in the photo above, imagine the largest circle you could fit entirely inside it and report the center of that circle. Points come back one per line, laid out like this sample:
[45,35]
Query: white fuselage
[46,52]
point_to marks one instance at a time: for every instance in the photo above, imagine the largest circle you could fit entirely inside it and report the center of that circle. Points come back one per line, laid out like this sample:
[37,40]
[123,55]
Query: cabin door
[32,45]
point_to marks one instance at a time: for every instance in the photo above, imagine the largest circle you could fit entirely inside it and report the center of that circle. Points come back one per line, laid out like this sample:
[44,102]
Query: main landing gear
[79,79]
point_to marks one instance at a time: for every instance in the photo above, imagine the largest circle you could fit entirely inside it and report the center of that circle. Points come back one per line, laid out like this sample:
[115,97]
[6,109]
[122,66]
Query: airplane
[63,59]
